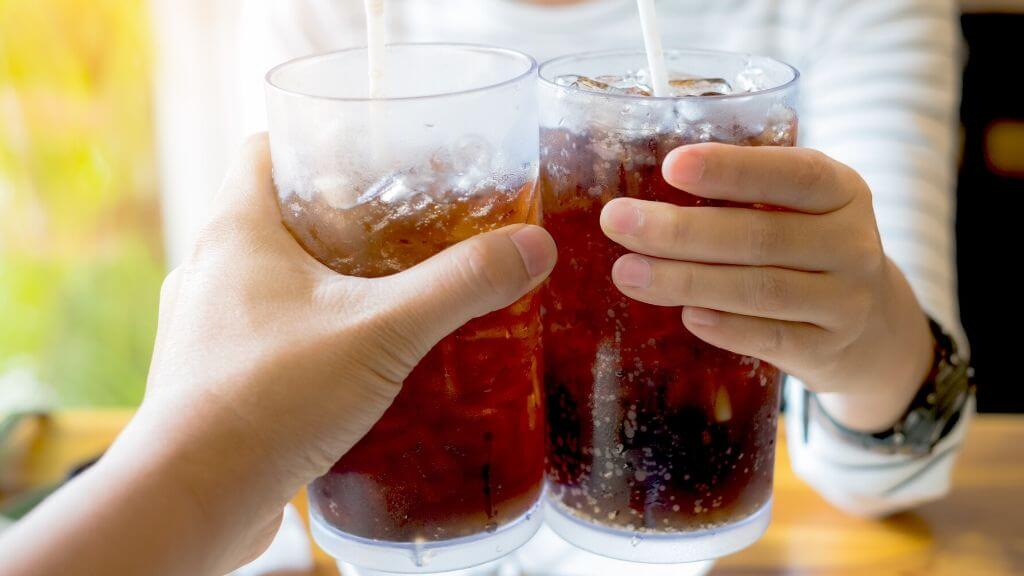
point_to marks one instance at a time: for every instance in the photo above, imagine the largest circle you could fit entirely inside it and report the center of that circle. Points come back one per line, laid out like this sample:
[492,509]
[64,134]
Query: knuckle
[816,171]
[869,257]
[678,233]
[848,173]
[857,311]
[763,237]
[767,291]
[478,267]
[255,144]
[686,282]
[213,238]
[773,340]
[860,249]
[224,234]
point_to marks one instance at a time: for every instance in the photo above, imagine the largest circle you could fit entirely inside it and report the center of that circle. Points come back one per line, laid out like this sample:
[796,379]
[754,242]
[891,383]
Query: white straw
[375,64]
[375,46]
[652,43]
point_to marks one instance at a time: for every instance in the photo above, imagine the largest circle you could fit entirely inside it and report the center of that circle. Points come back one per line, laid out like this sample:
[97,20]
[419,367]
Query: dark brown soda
[649,428]
[460,451]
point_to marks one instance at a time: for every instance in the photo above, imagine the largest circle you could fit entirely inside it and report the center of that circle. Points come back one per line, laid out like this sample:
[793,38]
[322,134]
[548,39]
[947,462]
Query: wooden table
[977,531]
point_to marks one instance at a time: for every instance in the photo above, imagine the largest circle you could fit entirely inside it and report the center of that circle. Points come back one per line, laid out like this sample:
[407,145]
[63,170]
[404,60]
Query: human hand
[269,366]
[808,289]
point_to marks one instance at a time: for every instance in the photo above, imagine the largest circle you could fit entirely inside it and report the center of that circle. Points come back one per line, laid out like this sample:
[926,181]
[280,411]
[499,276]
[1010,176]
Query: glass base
[659,548]
[548,555]
[372,557]
[502,567]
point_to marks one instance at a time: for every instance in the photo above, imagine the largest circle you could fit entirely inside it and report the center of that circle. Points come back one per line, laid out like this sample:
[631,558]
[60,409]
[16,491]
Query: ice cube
[566,80]
[626,85]
[699,87]
[391,188]
[633,84]
[637,91]
[593,84]
[337,190]
[466,165]
[752,79]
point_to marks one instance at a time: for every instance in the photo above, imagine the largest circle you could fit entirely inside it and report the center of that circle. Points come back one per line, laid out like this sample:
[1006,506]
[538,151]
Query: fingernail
[682,167]
[700,316]
[632,271]
[534,246]
[622,217]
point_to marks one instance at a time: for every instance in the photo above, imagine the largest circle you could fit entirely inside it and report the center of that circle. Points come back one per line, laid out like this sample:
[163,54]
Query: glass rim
[531,70]
[640,52]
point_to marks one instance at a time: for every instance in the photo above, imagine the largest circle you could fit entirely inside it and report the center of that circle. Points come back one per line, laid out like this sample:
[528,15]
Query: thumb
[472,278]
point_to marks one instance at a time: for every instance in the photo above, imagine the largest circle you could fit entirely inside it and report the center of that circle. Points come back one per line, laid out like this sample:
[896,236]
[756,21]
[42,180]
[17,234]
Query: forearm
[111,520]
[144,508]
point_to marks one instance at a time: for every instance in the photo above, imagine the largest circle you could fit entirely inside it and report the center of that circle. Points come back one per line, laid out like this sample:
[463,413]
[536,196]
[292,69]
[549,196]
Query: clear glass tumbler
[451,475]
[660,446]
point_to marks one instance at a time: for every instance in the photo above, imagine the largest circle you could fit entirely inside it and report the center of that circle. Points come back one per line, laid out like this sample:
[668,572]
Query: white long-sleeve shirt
[880,90]
[880,84]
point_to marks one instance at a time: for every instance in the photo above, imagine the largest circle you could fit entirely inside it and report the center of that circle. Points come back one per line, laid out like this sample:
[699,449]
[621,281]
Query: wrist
[898,359]
[144,484]
[204,473]
[932,415]
[134,496]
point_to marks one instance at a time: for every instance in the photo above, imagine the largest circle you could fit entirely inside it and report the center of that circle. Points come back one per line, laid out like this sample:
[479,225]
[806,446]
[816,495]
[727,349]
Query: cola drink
[460,451]
[451,474]
[660,446]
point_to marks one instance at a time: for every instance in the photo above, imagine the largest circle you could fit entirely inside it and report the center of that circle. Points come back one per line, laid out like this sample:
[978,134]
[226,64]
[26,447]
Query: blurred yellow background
[82,249]
[80,243]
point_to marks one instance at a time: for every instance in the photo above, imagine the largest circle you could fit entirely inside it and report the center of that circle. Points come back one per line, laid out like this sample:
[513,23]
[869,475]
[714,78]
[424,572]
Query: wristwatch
[934,411]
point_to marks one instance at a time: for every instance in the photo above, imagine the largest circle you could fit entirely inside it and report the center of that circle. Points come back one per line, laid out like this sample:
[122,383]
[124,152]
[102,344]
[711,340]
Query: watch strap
[932,414]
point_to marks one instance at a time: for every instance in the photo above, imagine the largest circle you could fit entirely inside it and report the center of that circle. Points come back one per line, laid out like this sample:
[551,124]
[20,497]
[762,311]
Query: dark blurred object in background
[991,203]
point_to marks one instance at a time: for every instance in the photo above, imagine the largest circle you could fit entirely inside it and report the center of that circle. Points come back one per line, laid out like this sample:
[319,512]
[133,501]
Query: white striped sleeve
[881,94]
[861,482]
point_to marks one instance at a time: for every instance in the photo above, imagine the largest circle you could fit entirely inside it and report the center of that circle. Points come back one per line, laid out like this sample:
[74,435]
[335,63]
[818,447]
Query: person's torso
[772,27]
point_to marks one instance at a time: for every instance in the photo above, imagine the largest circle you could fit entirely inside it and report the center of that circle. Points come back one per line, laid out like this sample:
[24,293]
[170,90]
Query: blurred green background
[80,243]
